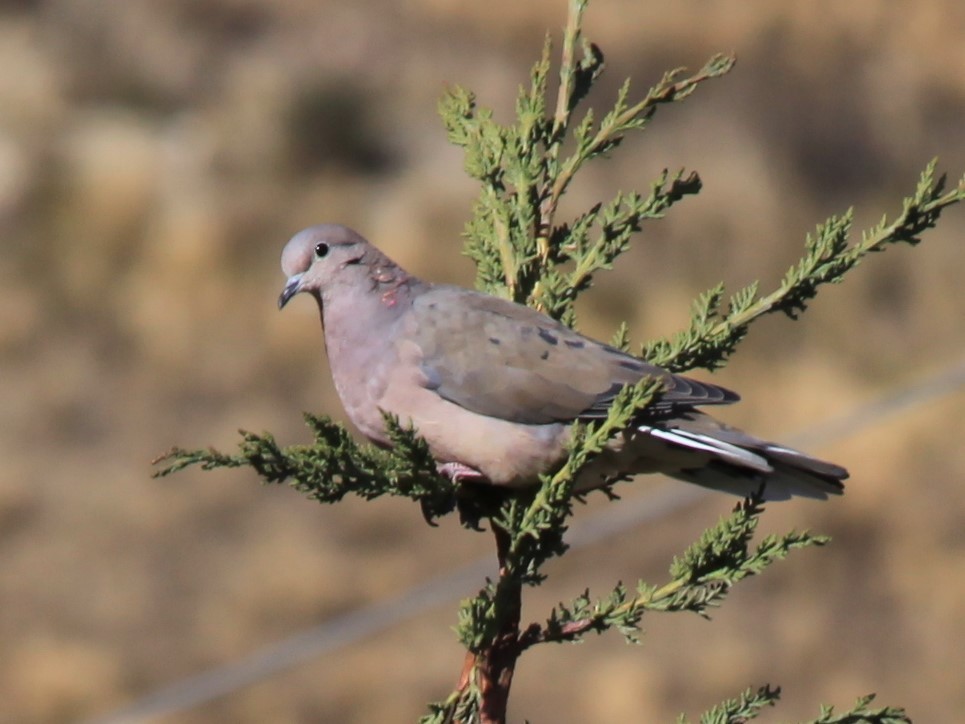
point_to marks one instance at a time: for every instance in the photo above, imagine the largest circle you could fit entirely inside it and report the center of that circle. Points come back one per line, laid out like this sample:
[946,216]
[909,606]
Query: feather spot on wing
[547,337]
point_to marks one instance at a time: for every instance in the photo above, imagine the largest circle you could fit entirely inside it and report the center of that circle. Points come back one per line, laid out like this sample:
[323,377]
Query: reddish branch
[493,667]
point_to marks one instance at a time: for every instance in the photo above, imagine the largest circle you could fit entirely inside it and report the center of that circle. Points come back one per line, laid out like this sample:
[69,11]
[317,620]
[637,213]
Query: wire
[350,627]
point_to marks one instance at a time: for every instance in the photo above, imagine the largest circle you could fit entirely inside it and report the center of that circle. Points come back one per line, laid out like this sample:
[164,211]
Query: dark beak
[292,287]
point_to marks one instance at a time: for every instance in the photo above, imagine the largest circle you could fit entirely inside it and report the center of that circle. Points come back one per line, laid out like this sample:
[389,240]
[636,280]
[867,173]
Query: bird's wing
[504,360]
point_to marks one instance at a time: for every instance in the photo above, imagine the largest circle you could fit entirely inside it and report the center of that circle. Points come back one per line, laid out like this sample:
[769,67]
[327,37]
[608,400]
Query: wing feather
[505,360]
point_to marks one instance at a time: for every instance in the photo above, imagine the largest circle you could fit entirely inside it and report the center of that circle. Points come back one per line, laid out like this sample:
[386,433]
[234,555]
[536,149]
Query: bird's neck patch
[390,298]
[393,283]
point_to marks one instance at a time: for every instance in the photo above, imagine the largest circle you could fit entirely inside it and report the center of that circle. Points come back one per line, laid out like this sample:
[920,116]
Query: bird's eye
[321,249]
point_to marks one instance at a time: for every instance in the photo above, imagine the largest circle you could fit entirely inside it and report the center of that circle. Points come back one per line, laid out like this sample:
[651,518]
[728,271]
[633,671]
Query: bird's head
[319,257]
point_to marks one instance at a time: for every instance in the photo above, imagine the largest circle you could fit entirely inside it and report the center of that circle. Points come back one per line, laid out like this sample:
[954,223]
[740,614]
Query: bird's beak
[292,287]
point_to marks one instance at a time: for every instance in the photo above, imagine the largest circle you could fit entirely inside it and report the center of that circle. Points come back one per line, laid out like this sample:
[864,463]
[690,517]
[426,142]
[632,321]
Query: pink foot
[459,473]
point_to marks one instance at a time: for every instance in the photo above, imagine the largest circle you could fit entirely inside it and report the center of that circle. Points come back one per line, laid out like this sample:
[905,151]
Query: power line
[350,627]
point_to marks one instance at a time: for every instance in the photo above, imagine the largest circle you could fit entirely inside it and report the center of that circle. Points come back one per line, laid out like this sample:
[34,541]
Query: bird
[495,387]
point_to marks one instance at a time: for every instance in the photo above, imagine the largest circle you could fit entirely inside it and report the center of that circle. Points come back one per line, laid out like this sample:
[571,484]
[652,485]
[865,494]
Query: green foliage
[457,708]
[524,252]
[700,578]
[744,708]
[860,713]
[525,169]
[751,702]
[334,465]
[721,555]
[713,333]
[534,521]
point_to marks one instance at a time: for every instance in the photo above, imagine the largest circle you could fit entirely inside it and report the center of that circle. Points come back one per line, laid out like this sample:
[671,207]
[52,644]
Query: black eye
[321,249]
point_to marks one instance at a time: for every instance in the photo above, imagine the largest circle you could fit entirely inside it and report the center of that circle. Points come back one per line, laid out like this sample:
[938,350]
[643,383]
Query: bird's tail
[732,461]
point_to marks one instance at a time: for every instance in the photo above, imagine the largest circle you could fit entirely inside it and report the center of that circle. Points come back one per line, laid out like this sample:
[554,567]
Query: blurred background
[154,159]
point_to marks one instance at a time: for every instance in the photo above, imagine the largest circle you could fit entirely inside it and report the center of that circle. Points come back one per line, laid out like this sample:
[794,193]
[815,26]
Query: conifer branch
[747,706]
[700,579]
[519,249]
[861,713]
[713,333]
[334,465]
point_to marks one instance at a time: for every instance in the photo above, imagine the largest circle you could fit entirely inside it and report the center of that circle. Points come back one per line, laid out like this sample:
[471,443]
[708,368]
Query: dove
[494,387]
